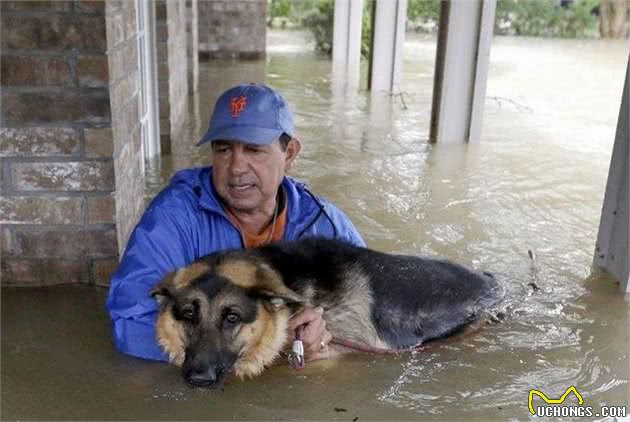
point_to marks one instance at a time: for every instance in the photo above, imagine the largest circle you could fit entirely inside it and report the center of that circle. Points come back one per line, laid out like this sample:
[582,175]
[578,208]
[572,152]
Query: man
[243,200]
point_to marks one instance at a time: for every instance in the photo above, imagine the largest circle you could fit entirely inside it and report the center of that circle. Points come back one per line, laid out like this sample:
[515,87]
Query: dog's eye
[188,311]
[233,318]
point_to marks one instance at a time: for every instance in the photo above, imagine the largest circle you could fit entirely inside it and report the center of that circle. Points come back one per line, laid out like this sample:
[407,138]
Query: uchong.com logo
[555,408]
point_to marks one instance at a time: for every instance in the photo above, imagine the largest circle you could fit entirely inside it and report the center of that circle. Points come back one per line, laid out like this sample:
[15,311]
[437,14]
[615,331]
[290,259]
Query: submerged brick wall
[232,28]
[57,173]
[172,70]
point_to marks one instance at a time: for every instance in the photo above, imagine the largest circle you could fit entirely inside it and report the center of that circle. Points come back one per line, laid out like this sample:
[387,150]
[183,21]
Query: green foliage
[289,11]
[279,8]
[300,8]
[423,9]
[542,18]
[320,21]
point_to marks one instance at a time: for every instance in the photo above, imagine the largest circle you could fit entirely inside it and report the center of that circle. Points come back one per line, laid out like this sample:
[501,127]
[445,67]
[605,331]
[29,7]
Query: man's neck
[255,221]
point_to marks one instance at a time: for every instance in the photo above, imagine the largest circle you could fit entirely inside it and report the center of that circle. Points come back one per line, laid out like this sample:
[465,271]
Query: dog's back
[230,310]
[382,300]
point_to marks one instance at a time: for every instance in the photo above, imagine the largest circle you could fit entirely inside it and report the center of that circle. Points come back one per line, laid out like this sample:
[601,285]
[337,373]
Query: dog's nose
[202,378]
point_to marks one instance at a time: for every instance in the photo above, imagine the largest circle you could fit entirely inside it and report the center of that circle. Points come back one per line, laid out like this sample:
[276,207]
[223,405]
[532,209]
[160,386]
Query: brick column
[172,70]
[232,29]
[57,173]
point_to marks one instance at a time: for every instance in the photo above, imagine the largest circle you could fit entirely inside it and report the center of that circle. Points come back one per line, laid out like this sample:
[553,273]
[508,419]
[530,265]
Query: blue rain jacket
[185,222]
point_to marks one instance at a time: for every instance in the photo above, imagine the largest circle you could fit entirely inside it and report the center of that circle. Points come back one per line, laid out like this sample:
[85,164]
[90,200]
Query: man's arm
[160,243]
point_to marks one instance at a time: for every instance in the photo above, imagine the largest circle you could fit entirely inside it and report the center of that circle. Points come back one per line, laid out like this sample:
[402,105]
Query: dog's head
[226,312]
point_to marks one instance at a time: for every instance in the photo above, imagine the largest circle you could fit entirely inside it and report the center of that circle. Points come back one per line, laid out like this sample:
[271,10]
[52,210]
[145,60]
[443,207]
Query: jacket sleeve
[343,226]
[160,243]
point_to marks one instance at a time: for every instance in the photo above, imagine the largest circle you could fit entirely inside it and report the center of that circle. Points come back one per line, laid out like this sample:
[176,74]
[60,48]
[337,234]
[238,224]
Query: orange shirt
[251,240]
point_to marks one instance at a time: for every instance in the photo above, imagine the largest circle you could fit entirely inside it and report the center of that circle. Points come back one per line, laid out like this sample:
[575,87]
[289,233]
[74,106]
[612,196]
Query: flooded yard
[535,182]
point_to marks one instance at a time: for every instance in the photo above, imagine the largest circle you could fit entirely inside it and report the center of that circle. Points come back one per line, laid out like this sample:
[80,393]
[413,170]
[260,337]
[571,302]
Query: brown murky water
[536,181]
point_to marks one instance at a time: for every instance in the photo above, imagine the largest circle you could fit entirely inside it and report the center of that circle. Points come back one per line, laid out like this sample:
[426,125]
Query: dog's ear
[163,291]
[271,288]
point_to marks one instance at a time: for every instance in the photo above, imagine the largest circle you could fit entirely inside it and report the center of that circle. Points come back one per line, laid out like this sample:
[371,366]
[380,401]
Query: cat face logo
[237,105]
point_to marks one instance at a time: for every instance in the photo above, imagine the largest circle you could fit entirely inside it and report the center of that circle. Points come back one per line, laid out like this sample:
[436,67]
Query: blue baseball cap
[249,113]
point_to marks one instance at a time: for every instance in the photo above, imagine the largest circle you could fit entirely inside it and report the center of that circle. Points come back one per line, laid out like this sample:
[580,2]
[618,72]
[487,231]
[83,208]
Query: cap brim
[245,134]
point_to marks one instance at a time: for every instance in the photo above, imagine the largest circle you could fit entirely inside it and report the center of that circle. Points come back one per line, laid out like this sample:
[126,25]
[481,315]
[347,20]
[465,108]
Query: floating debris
[534,286]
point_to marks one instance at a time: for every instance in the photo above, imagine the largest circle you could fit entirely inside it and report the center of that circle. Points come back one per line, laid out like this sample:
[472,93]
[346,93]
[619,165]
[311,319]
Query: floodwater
[536,181]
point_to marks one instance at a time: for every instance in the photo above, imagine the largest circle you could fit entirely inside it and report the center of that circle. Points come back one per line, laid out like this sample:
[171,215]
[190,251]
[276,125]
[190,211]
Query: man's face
[247,176]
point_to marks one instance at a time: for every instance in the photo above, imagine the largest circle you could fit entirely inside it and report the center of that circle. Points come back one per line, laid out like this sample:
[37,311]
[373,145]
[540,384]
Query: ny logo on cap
[237,105]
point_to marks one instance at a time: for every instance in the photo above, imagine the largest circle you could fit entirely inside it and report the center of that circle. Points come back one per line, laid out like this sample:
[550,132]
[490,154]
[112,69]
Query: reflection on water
[536,181]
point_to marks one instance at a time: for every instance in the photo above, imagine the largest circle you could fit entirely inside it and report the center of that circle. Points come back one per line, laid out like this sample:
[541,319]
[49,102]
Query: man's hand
[314,334]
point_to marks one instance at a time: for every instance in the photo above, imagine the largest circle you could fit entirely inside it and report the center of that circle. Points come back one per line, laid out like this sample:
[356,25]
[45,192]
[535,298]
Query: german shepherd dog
[230,310]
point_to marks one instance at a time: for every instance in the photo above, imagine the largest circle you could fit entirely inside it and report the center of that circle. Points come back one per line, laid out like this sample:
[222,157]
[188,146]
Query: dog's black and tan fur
[230,310]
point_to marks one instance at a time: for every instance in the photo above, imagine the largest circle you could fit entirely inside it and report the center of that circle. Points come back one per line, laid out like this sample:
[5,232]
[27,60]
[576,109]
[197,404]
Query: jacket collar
[302,207]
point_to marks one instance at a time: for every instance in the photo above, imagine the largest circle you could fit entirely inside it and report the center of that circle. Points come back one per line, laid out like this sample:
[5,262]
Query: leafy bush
[423,9]
[542,18]
[279,8]
[321,21]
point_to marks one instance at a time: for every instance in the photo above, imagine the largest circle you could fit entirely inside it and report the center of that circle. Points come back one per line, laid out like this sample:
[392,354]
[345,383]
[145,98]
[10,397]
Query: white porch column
[148,78]
[347,39]
[389,36]
[611,249]
[192,29]
[461,70]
